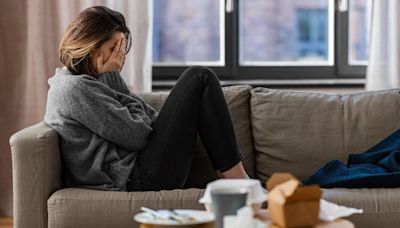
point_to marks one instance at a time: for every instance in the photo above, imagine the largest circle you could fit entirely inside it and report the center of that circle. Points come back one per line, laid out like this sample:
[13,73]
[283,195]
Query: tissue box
[291,204]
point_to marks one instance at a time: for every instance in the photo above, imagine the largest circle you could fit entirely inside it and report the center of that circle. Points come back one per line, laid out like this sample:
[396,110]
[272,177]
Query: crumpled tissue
[330,211]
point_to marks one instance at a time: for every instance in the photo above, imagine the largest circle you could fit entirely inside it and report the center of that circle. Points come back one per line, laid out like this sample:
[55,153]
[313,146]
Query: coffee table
[339,223]
[263,216]
[205,225]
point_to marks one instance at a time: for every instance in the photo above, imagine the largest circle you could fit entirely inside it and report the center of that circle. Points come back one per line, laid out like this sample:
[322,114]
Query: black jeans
[196,105]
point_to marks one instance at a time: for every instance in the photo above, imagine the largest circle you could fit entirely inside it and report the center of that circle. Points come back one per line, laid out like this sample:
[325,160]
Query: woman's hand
[115,61]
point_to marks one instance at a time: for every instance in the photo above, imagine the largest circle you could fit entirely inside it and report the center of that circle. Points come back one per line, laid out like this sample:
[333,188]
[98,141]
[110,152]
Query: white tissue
[244,218]
[329,211]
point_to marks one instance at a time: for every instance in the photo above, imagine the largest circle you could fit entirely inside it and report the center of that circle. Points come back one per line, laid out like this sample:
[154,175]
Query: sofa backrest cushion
[237,98]
[298,132]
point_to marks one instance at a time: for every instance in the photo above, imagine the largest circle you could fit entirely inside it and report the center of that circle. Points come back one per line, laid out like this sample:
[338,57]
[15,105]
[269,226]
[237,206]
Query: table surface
[204,225]
[263,216]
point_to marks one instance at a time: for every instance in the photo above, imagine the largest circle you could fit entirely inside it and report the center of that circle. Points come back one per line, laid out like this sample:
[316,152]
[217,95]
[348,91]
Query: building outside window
[285,32]
[358,31]
[188,32]
[311,38]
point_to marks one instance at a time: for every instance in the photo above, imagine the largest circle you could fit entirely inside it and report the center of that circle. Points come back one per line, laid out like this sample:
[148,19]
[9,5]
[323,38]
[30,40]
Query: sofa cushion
[237,98]
[369,118]
[298,132]
[73,207]
[380,205]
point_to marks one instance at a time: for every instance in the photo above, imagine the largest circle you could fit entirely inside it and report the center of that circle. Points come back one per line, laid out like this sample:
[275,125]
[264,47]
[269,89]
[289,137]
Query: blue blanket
[379,167]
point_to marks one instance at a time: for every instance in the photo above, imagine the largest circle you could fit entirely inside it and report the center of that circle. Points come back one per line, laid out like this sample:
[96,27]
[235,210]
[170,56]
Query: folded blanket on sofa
[379,167]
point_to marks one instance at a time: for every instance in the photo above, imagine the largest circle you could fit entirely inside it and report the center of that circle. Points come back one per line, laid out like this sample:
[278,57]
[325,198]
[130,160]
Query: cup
[227,202]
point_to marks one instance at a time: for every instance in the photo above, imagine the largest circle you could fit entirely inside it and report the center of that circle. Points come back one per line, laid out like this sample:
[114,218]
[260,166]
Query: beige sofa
[276,131]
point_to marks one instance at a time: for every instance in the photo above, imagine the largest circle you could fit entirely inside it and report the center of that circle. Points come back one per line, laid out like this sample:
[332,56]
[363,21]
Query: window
[261,39]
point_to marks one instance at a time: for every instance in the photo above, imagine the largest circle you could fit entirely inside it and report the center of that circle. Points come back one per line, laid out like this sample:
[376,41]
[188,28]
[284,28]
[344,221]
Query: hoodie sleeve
[151,112]
[116,117]
[114,80]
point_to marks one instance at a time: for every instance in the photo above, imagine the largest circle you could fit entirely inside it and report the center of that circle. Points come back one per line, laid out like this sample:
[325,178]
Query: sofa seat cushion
[73,207]
[298,132]
[237,98]
[381,206]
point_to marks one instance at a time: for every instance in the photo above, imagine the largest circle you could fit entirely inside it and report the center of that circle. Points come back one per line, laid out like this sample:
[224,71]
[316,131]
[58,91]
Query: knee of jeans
[202,72]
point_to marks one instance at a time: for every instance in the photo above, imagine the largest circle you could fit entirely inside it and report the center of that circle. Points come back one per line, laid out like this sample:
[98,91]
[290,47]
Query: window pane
[358,31]
[286,32]
[188,32]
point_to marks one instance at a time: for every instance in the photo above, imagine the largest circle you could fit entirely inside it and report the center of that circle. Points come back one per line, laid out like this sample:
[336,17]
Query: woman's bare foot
[236,172]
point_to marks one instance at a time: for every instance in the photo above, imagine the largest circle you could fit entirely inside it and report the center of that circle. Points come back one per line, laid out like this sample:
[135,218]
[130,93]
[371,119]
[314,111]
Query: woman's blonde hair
[87,32]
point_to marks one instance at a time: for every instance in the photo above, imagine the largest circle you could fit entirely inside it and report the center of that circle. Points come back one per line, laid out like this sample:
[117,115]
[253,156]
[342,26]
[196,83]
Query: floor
[6,222]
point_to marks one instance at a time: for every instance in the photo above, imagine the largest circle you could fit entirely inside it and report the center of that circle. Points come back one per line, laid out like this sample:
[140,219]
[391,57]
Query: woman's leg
[195,105]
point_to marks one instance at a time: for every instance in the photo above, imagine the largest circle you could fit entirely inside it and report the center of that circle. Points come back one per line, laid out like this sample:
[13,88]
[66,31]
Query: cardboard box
[290,204]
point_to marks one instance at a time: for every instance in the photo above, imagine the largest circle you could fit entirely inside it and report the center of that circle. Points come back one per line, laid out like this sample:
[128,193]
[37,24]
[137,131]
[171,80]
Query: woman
[110,138]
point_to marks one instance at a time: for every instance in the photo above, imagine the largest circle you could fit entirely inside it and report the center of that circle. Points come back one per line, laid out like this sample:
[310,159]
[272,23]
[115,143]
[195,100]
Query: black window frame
[234,72]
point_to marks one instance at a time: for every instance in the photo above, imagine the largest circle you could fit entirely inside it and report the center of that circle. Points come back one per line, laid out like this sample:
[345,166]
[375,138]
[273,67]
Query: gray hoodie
[101,125]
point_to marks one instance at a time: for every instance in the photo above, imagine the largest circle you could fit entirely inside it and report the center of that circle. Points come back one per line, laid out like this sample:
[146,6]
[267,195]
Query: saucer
[199,217]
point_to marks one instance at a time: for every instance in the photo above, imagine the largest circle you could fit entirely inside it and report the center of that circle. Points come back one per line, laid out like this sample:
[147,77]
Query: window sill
[291,83]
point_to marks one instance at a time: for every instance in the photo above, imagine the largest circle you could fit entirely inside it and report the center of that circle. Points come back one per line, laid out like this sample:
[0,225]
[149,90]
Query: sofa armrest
[36,167]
